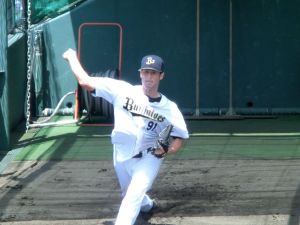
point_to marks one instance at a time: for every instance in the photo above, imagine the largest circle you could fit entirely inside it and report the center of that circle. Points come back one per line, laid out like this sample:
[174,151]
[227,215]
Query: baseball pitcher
[148,127]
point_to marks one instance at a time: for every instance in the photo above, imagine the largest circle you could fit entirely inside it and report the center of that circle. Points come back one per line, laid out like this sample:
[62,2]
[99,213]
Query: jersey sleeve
[109,88]
[177,120]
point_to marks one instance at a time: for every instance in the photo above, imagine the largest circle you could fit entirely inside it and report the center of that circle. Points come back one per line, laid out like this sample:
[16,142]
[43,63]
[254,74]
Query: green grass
[67,143]
[242,139]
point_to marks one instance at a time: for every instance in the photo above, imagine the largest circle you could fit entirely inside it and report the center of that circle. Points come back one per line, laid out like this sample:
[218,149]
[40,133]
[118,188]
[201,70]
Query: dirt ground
[189,192]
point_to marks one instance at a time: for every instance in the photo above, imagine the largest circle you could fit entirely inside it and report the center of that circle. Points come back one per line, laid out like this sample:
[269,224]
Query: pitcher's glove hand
[162,144]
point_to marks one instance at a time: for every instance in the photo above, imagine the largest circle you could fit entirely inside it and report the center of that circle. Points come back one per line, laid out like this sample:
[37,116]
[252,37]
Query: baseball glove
[163,142]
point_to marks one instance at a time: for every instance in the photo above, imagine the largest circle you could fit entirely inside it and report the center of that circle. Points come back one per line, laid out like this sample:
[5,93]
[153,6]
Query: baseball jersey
[137,122]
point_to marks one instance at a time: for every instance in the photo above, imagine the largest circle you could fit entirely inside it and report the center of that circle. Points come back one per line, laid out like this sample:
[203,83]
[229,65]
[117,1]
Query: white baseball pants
[136,177]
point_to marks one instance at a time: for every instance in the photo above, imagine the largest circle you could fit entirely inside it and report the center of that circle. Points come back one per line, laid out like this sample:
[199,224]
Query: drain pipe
[197,91]
[230,111]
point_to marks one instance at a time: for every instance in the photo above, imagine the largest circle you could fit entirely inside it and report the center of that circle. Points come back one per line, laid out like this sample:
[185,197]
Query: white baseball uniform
[137,125]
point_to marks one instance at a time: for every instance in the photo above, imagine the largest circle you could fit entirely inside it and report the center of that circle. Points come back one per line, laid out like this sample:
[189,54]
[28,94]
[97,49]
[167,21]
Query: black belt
[139,155]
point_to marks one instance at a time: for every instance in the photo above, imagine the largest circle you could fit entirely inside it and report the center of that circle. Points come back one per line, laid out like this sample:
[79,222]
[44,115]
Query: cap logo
[150,61]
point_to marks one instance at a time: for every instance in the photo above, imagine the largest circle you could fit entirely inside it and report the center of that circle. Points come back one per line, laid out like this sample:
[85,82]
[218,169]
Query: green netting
[41,9]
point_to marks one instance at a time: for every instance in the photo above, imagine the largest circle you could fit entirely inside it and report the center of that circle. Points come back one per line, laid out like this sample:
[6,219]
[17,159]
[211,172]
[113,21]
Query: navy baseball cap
[152,62]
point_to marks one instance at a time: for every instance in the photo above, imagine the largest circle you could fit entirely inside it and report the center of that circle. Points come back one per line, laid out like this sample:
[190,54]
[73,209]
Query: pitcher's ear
[162,75]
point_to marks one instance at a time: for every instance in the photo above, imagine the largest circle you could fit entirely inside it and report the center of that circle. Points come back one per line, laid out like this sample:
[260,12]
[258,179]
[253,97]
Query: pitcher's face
[151,78]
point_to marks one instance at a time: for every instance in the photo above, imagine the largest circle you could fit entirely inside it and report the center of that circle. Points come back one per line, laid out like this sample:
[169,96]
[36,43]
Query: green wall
[4,126]
[166,28]
[214,55]
[265,49]
[16,65]
[12,90]
[266,53]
